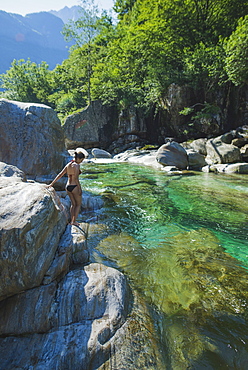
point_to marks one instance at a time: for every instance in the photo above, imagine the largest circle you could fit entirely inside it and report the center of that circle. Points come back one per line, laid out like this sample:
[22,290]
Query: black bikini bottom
[70,187]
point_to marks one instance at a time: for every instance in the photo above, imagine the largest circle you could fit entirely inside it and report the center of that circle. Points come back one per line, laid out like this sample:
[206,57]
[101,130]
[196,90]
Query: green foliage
[155,43]
[149,147]
[122,7]
[160,42]
[199,112]
[204,66]
[207,112]
[237,53]
[83,31]
[141,61]
[186,111]
[28,82]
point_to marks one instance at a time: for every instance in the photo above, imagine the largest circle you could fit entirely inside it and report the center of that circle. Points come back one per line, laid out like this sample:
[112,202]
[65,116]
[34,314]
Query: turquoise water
[182,241]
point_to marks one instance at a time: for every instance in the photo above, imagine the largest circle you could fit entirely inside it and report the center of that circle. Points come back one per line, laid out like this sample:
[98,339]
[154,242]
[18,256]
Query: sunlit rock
[7,170]
[244,153]
[32,223]
[241,168]
[220,152]
[199,145]
[89,320]
[172,154]
[31,138]
[196,160]
[100,153]
[90,126]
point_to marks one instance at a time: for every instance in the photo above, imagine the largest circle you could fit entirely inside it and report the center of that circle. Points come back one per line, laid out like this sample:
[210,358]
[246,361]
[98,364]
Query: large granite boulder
[32,223]
[196,160]
[80,314]
[84,322]
[7,170]
[220,152]
[172,154]
[199,145]
[31,138]
[90,127]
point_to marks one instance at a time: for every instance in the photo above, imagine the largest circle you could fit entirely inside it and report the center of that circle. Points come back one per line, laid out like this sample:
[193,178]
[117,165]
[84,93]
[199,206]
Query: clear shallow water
[183,243]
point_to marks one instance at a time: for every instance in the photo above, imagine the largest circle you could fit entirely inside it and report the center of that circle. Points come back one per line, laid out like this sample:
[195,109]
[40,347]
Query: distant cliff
[36,36]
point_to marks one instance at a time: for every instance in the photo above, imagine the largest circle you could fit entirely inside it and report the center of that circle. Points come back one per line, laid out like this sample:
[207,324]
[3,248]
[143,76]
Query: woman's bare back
[72,170]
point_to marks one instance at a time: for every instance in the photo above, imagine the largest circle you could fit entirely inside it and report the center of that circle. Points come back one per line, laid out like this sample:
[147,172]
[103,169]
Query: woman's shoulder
[72,165]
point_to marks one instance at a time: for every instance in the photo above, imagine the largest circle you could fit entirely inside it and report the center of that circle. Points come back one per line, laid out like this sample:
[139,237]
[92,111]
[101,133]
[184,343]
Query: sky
[24,7]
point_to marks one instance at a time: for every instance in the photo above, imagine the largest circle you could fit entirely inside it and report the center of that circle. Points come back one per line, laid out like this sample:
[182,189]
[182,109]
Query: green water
[183,243]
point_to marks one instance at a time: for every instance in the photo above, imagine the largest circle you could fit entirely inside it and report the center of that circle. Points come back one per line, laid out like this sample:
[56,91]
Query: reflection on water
[183,243]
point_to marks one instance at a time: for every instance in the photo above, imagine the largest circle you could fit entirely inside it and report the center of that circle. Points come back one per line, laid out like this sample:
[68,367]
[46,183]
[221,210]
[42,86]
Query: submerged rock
[192,280]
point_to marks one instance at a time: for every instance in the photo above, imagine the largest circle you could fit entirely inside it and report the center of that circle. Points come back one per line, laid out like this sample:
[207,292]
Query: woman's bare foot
[75,223]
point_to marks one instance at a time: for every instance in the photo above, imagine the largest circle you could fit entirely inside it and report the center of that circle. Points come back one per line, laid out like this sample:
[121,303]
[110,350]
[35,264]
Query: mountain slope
[67,14]
[36,36]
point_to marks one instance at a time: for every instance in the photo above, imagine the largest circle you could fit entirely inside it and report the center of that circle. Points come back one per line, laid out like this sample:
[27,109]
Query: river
[182,241]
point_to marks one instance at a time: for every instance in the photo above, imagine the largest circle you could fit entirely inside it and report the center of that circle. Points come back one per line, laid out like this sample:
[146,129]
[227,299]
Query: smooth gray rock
[199,145]
[89,127]
[172,154]
[7,170]
[90,320]
[31,138]
[68,326]
[32,222]
[196,160]
[100,153]
[219,152]
[80,252]
[62,259]
[241,168]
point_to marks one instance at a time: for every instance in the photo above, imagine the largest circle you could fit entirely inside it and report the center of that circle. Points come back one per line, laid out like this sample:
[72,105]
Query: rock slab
[31,138]
[31,226]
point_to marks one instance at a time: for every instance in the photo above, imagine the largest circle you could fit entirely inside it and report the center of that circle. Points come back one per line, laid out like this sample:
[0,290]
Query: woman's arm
[61,174]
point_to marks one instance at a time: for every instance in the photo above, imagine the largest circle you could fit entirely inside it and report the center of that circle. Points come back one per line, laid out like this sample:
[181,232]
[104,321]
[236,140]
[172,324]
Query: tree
[70,81]
[83,31]
[204,67]
[27,81]
[236,47]
[122,7]
[163,41]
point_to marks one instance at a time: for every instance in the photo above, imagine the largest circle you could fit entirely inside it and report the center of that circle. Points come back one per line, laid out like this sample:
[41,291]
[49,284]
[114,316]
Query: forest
[134,59]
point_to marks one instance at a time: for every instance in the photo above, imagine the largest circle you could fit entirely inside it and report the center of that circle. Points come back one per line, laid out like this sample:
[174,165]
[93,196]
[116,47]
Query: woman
[73,186]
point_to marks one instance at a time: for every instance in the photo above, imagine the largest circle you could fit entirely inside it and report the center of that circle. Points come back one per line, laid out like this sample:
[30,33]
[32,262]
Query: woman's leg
[73,205]
[77,207]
